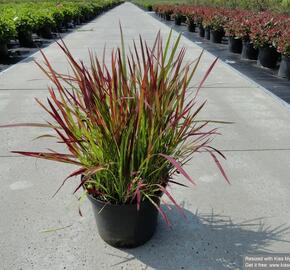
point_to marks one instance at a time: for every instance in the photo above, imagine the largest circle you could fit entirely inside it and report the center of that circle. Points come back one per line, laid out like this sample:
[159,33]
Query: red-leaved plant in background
[164,10]
[282,42]
[206,17]
[265,28]
[216,18]
[260,28]
[128,127]
[190,13]
[238,24]
[199,15]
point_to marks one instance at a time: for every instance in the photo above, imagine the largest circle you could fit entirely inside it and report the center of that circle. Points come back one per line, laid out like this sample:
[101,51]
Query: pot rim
[134,204]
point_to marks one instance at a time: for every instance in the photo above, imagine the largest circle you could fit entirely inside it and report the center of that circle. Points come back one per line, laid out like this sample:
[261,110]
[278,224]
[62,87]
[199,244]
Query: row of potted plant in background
[21,19]
[280,6]
[262,36]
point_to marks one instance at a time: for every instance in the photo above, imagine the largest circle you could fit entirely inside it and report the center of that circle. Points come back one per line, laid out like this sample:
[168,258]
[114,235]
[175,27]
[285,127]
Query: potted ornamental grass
[129,127]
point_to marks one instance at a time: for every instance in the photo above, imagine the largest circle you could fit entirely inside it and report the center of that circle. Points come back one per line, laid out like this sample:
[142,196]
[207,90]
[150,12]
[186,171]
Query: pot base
[3,50]
[25,39]
[191,27]
[235,45]
[267,57]
[284,70]
[207,33]
[216,36]
[249,52]
[201,31]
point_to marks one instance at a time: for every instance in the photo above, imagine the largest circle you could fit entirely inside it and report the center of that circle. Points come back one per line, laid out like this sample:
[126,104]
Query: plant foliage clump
[7,30]
[129,126]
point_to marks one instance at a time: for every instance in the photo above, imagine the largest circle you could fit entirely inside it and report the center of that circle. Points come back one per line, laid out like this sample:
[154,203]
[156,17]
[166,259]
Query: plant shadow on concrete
[205,241]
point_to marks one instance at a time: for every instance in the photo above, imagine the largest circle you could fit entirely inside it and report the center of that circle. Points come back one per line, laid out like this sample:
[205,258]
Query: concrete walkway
[224,221]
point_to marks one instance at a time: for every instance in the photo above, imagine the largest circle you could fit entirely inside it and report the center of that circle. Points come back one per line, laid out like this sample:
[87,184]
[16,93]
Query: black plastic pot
[248,51]
[235,45]
[178,19]
[70,24]
[268,57]
[201,31]
[167,17]
[183,18]
[207,33]
[123,225]
[45,32]
[284,70]
[25,39]
[3,50]
[82,19]
[216,36]
[191,26]
[77,21]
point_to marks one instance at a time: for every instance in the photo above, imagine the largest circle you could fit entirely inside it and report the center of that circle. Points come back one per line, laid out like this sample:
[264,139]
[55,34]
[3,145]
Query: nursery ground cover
[224,222]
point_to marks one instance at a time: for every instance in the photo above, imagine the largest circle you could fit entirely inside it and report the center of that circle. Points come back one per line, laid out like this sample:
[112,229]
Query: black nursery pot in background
[284,70]
[268,57]
[216,36]
[201,31]
[123,225]
[25,39]
[191,26]
[235,45]
[3,50]
[167,17]
[207,33]
[45,32]
[248,51]
[178,19]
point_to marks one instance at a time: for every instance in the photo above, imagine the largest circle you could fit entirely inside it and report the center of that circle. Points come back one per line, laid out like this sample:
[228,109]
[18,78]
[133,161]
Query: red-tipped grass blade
[178,167]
